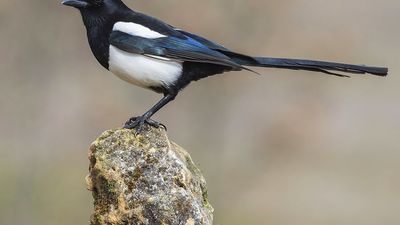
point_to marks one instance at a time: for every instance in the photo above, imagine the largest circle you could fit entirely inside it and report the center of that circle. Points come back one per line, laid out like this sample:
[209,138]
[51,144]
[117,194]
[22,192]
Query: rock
[145,179]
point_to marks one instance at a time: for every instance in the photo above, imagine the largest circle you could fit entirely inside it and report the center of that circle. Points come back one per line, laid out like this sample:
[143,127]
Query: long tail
[331,68]
[320,66]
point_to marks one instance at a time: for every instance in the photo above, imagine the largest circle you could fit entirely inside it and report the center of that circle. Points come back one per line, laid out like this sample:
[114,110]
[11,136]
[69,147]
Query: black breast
[98,33]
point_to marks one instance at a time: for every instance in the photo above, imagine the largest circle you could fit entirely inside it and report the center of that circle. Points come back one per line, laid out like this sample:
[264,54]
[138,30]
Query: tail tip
[383,72]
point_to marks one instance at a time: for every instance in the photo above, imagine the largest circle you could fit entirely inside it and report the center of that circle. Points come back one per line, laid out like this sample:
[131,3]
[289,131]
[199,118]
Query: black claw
[130,123]
[138,122]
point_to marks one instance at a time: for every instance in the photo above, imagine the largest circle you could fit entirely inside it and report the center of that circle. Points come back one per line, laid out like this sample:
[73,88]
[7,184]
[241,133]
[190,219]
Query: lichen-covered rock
[144,179]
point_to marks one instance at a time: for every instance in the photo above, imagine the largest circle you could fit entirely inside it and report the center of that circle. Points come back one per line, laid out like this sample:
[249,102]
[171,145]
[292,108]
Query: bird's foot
[139,121]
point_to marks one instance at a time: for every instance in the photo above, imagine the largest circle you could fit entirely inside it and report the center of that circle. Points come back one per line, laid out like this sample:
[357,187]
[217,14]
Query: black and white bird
[149,53]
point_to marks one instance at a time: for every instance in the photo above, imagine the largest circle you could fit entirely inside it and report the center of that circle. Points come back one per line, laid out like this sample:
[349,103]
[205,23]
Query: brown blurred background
[279,149]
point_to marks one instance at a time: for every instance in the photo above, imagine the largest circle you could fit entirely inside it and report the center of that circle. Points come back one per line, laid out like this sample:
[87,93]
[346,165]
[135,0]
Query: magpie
[149,53]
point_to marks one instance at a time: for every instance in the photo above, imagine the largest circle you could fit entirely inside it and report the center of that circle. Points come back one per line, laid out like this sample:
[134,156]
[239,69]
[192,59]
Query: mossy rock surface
[145,179]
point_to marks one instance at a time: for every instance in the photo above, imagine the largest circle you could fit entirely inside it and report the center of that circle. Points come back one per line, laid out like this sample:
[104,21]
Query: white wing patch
[136,30]
[142,70]
[158,57]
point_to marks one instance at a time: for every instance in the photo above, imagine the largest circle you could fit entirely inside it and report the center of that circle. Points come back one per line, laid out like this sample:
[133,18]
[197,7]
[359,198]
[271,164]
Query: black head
[95,6]
[95,11]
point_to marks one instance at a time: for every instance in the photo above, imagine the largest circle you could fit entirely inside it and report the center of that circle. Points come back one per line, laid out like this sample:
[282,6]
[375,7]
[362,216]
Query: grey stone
[145,179]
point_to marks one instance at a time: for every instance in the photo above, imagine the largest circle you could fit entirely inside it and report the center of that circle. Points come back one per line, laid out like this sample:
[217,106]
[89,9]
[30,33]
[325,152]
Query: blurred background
[284,148]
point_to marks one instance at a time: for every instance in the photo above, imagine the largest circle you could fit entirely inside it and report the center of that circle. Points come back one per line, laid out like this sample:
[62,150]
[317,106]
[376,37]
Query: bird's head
[94,5]
[94,11]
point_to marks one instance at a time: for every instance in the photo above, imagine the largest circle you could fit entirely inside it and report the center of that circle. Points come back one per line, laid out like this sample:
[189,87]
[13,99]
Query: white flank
[136,30]
[142,70]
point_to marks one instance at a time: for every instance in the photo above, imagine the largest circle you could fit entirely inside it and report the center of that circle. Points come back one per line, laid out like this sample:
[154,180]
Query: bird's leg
[138,122]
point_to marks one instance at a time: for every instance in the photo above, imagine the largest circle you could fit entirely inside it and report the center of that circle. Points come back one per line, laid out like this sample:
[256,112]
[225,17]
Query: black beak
[76,3]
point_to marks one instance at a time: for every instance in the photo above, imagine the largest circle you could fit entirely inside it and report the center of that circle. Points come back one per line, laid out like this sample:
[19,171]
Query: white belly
[142,70]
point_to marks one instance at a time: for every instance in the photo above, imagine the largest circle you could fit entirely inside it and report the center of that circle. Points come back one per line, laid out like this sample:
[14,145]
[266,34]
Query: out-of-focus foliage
[283,148]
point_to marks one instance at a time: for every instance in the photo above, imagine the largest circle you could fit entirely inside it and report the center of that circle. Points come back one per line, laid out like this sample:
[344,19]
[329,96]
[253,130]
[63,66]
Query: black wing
[239,58]
[172,48]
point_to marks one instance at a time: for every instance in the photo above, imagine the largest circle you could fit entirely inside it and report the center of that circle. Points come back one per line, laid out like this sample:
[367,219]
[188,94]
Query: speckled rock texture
[145,179]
